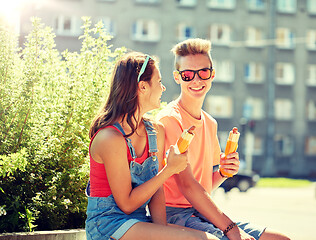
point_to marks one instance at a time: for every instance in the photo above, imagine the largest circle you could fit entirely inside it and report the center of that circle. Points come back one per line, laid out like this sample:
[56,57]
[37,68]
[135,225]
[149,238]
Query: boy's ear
[213,74]
[176,77]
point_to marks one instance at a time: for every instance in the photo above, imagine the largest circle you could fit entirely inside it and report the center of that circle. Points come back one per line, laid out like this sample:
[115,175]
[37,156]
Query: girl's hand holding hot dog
[176,162]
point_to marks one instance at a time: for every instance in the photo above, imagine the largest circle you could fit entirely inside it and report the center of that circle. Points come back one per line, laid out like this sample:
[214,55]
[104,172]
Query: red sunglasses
[188,75]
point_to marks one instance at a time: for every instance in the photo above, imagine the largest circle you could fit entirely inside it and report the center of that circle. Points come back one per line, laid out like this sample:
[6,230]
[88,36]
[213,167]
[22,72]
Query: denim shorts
[106,221]
[189,217]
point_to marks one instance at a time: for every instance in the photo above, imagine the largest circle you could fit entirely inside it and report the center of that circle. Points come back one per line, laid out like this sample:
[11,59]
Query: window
[311,75]
[311,39]
[108,25]
[256,5]
[220,34]
[286,6]
[253,145]
[311,110]
[253,108]
[146,30]
[284,145]
[67,26]
[254,37]
[224,70]
[186,3]
[222,138]
[311,6]
[285,38]
[310,145]
[220,106]
[147,1]
[254,72]
[258,146]
[284,73]
[283,109]
[221,4]
[184,31]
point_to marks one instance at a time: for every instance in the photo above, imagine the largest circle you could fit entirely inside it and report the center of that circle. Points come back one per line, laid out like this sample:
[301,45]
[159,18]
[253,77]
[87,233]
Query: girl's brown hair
[123,99]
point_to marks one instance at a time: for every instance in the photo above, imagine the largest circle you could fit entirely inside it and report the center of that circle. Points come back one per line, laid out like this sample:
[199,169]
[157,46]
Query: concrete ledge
[72,234]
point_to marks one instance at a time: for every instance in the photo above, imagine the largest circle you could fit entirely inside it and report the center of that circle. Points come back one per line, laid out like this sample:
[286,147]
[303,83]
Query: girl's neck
[136,122]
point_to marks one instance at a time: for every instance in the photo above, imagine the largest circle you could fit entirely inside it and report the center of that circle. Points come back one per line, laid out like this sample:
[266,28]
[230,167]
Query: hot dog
[231,146]
[183,142]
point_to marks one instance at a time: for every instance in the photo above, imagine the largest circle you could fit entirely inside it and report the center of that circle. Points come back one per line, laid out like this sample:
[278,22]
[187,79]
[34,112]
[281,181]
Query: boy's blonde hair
[191,47]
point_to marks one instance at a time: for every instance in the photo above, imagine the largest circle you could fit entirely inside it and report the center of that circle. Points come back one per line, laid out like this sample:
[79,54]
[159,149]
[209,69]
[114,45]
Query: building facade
[264,54]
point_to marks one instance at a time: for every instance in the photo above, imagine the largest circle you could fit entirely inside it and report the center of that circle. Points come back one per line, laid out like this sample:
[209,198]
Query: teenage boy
[187,194]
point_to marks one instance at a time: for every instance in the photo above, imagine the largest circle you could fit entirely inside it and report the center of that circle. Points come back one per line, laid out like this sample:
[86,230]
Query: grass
[283,182]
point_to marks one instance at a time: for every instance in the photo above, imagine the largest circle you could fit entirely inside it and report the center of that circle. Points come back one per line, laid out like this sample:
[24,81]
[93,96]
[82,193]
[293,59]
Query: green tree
[47,101]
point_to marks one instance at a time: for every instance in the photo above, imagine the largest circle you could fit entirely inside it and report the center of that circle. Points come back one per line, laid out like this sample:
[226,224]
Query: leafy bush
[47,101]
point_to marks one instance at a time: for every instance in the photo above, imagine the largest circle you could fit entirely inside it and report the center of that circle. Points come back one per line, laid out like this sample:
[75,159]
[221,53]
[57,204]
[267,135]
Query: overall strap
[129,143]
[152,138]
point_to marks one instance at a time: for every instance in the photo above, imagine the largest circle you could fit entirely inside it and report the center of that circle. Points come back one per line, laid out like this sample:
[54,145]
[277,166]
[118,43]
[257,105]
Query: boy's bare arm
[200,199]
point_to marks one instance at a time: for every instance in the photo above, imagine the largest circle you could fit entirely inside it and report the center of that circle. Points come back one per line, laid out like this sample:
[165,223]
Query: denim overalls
[105,220]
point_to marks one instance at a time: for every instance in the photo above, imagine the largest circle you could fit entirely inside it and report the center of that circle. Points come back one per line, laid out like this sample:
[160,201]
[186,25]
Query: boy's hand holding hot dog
[230,164]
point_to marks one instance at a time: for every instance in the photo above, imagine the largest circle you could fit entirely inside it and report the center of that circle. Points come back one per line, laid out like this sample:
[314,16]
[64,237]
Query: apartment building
[264,54]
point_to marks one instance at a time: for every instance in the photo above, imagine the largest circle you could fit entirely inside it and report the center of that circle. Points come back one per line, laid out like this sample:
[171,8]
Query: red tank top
[99,185]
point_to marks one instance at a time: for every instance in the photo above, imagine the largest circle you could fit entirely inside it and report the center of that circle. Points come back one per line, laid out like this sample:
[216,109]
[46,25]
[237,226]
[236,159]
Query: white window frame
[310,145]
[284,73]
[256,5]
[286,6]
[256,72]
[283,109]
[311,39]
[253,108]
[311,110]
[108,25]
[311,6]
[220,106]
[285,38]
[254,37]
[75,24]
[258,146]
[224,70]
[146,30]
[222,138]
[221,4]
[284,145]
[187,3]
[182,31]
[147,1]
[311,75]
[220,34]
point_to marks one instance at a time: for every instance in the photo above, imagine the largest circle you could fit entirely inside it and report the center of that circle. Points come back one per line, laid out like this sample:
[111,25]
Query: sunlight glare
[9,12]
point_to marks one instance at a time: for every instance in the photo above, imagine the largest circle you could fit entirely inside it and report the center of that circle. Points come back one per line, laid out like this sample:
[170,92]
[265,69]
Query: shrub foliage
[47,101]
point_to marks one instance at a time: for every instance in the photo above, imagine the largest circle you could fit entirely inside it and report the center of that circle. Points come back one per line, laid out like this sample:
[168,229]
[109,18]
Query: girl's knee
[206,236]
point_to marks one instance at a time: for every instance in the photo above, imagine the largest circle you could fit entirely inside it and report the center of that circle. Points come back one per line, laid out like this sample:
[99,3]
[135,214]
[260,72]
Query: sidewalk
[288,210]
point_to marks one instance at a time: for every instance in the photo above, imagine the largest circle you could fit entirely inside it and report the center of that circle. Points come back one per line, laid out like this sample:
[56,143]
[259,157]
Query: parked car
[243,181]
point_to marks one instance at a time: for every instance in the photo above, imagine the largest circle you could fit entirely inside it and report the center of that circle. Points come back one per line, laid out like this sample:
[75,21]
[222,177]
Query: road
[288,210]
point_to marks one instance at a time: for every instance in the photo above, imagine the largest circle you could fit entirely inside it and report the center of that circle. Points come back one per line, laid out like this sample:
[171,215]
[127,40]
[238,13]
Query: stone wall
[73,234]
